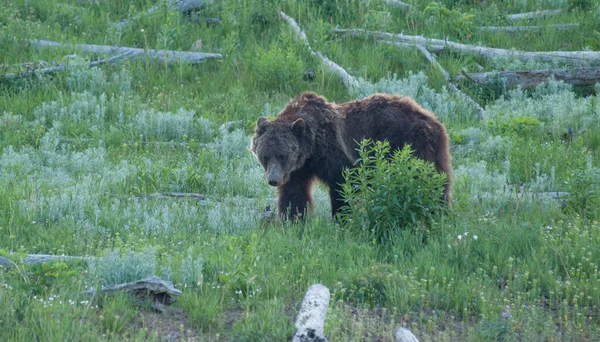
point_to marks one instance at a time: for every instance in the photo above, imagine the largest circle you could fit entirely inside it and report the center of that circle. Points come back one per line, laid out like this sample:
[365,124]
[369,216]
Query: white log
[536,14]
[558,27]
[437,45]
[161,55]
[311,318]
[452,87]
[403,335]
[531,78]
[348,80]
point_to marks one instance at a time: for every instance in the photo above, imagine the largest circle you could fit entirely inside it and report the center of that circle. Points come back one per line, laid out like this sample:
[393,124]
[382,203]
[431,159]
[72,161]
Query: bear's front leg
[295,197]
[337,202]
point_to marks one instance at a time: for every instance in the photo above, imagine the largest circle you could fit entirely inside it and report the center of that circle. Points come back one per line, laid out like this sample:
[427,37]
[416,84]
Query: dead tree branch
[311,318]
[531,15]
[452,87]
[437,45]
[531,78]
[168,56]
[558,27]
[348,80]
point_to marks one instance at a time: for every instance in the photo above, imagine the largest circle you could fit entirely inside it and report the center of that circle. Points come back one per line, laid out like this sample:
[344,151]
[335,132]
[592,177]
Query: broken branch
[160,55]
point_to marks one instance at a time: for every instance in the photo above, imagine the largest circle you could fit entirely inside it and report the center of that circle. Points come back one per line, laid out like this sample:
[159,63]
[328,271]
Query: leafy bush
[387,191]
[277,68]
[116,268]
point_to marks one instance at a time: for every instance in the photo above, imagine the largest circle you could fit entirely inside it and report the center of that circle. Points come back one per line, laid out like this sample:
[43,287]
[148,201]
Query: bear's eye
[280,157]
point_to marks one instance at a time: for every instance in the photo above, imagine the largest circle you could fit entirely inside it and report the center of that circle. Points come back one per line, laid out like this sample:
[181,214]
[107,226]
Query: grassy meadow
[81,150]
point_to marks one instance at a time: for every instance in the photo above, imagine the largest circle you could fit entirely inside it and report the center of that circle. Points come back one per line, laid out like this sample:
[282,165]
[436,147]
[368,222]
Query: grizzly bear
[313,139]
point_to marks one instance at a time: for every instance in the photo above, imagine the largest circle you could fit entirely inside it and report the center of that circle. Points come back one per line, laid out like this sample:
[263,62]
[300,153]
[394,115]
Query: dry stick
[61,67]
[160,55]
[558,27]
[531,15]
[311,318]
[531,78]
[437,45]
[348,80]
[452,87]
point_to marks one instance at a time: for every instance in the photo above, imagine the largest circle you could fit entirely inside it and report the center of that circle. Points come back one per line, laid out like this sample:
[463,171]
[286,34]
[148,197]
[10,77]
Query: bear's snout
[274,174]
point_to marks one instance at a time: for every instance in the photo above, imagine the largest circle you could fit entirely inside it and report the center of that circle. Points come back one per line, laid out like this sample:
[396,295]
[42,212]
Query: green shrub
[276,68]
[387,192]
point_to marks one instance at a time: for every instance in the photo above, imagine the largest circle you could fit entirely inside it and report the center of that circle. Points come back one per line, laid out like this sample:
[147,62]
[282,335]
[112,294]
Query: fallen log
[32,259]
[452,87]
[348,80]
[531,15]
[558,27]
[172,195]
[311,317]
[403,335]
[531,78]
[437,45]
[61,67]
[158,291]
[168,56]
[183,6]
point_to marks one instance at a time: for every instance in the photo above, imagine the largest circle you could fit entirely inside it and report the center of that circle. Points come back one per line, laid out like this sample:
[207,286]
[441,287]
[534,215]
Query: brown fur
[314,139]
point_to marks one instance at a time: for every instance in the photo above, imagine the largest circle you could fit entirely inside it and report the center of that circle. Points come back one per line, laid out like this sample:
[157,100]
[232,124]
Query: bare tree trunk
[160,55]
[437,45]
[531,78]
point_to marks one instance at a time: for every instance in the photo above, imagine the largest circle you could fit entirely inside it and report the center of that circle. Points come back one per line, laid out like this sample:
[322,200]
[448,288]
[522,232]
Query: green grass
[79,149]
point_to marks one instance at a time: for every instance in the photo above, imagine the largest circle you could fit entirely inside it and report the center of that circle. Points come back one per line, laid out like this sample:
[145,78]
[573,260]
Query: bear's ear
[261,124]
[298,127]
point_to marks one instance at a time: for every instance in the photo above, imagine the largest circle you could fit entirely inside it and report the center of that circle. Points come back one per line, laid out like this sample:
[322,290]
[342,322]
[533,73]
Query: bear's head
[281,147]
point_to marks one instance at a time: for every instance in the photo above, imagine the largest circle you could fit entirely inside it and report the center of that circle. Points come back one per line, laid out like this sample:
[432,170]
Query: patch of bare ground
[174,325]
[171,325]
